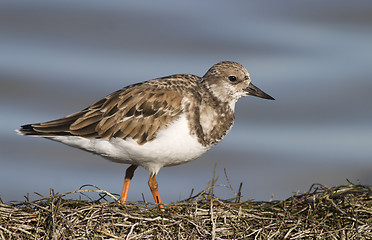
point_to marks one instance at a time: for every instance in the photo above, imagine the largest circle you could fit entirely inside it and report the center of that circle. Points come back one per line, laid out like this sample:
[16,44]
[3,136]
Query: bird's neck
[211,119]
[216,96]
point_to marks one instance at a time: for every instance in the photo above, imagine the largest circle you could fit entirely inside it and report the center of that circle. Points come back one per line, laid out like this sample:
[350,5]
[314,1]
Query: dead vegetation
[341,212]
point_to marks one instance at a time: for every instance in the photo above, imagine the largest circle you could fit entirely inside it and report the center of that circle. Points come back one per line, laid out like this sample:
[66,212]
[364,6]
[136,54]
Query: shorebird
[157,123]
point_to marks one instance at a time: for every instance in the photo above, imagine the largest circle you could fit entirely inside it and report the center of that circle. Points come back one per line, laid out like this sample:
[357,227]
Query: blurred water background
[314,57]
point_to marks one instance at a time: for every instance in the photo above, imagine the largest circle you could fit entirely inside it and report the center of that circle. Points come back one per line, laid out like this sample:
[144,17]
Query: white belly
[172,146]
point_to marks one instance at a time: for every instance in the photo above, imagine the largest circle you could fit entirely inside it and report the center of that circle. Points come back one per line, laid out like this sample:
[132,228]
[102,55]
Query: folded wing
[135,112]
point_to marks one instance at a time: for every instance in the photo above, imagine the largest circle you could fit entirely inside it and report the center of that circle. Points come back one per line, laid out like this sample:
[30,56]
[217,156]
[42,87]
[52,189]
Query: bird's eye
[232,78]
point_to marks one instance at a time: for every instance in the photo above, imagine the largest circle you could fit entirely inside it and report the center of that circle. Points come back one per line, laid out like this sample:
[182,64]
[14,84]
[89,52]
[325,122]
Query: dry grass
[341,212]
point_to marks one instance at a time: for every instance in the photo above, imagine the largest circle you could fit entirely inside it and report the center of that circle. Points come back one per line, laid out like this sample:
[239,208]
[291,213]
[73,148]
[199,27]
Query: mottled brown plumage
[137,111]
[140,110]
[162,122]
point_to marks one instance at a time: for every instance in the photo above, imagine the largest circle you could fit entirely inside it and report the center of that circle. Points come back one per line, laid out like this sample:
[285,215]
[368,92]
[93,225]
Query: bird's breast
[210,123]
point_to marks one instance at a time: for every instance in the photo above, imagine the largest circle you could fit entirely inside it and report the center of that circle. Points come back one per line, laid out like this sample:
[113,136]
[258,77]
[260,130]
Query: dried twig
[340,212]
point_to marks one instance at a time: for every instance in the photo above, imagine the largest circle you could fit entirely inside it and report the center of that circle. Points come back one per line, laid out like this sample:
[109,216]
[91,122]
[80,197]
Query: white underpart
[208,118]
[232,105]
[173,145]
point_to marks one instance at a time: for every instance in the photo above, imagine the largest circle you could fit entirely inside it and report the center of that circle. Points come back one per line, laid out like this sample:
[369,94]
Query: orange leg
[128,177]
[153,184]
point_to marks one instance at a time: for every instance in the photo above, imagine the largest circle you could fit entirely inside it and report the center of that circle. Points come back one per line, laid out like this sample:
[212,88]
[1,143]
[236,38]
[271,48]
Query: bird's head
[229,81]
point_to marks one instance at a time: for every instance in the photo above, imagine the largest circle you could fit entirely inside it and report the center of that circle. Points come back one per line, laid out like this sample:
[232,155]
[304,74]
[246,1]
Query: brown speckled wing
[137,111]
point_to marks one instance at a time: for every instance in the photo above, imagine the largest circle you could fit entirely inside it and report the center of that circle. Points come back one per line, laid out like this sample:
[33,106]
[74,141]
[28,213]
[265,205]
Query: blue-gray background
[314,57]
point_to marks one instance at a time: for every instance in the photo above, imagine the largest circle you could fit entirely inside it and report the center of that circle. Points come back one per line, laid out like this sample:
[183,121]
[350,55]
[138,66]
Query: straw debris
[341,212]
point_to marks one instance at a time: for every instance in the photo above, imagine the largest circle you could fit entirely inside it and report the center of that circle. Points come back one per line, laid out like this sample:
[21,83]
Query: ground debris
[341,212]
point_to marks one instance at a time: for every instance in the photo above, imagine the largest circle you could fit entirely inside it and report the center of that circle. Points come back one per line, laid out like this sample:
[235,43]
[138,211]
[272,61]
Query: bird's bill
[255,91]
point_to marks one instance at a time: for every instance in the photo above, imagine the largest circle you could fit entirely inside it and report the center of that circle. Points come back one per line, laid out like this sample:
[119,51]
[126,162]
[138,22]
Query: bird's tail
[59,127]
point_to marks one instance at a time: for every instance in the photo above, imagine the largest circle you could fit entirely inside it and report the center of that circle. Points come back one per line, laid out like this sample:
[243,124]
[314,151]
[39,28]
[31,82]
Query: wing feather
[88,119]
[138,112]
[89,130]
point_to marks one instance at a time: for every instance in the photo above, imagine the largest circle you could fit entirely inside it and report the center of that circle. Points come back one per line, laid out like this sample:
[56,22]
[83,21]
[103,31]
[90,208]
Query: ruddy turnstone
[158,123]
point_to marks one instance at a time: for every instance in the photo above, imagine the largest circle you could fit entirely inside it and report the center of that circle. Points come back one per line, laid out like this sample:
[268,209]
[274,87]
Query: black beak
[255,91]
